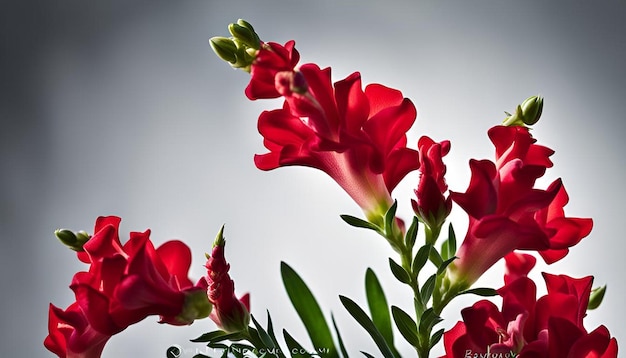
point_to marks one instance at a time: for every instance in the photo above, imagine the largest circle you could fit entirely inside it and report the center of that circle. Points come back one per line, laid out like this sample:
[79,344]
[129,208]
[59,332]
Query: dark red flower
[229,313]
[431,206]
[356,136]
[551,326]
[507,213]
[71,335]
[270,59]
[126,283]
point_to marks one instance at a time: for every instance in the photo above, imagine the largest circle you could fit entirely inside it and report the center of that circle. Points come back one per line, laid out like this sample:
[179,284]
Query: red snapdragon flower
[229,313]
[356,136]
[125,284]
[507,213]
[271,59]
[551,326]
[431,206]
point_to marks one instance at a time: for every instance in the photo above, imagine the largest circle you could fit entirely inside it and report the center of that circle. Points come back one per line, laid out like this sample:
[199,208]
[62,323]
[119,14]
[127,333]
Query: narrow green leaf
[398,272]
[377,303]
[216,336]
[406,325]
[342,347]
[434,339]
[356,222]
[445,265]
[435,258]
[411,233]
[428,320]
[390,217]
[295,348]
[365,322]
[481,291]
[451,241]
[596,297]
[420,258]
[427,288]
[308,309]
[263,335]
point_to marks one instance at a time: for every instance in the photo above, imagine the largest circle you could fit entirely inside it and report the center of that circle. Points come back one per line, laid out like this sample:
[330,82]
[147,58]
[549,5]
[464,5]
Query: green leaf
[448,248]
[342,348]
[428,288]
[356,222]
[295,348]
[390,217]
[411,234]
[435,258]
[445,265]
[263,335]
[308,309]
[428,320]
[406,325]
[377,303]
[481,291]
[420,258]
[434,339]
[596,297]
[216,336]
[365,322]
[398,272]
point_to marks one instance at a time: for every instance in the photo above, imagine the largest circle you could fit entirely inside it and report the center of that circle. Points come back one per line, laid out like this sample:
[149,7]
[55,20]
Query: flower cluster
[550,326]
[123,285]
[358,136]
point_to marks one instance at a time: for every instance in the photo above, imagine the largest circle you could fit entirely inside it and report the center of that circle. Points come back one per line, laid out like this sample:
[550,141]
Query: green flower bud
[596,297]
[225,48]
[244,36]
[196,306]
[74,241]
[66,236]
[526,114]
[219,238]
[531,110]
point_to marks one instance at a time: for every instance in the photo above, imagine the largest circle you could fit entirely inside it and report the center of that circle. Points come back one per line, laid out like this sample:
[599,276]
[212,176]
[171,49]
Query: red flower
[551,326]
[71,335]
[356,136]
[431,206]
[270,59]
[507,213]
[229,313]
[126,283]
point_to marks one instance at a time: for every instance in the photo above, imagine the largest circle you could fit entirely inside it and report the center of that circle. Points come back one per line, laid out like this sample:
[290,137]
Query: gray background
[121,108]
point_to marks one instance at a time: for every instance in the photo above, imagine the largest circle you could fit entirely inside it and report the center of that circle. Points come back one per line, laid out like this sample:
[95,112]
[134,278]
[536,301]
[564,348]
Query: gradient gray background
[121,108]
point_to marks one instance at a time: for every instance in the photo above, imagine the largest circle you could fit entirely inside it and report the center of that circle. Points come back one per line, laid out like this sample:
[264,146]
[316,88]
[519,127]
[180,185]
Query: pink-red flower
[507,213]
[356,136]
[229,313]
[125,284]
[431,206]
[551,326]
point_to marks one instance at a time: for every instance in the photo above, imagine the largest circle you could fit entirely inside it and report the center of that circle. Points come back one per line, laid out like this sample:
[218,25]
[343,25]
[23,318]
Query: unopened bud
[219,238]
[596,297]
[531,110]
[244,36]
[74,241]
[225,48]
[526,114]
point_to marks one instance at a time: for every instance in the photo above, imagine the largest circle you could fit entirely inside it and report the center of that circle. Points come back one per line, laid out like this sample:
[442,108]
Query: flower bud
[531,110]
[225,48]
[244,35]
[74,241]
[596,297]
[526,114]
